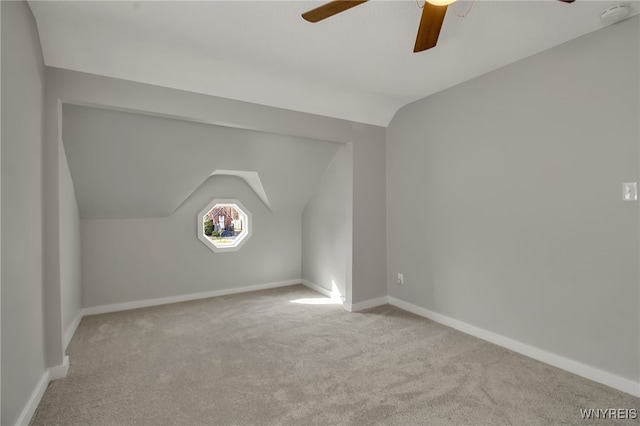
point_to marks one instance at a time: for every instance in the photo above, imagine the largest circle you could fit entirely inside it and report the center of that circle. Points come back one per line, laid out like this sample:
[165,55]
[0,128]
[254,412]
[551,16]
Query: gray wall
[70,253]
[125,260]
[505,205]
[326,235]
[0,219]
[368,142]
[23,362]
[369,170]
[137,166]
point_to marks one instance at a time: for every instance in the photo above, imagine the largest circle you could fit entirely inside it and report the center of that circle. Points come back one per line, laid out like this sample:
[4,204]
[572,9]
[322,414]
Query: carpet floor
[275,357]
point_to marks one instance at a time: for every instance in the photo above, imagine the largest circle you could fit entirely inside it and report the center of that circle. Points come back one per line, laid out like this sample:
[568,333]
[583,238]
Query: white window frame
[240,240]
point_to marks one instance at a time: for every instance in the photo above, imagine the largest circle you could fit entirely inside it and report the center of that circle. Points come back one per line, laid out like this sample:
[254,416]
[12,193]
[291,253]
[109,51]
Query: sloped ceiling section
[130,165]
[251,178]
[358,66]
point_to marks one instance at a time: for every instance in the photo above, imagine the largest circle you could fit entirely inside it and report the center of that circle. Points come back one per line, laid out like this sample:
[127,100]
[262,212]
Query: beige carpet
[260,359]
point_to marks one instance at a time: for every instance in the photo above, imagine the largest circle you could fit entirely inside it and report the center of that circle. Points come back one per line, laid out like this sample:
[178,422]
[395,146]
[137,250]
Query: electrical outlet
[400,278]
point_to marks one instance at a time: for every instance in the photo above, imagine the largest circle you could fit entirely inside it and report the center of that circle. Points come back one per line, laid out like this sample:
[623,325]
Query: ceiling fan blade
[567,1]
[332,8]
[430,25]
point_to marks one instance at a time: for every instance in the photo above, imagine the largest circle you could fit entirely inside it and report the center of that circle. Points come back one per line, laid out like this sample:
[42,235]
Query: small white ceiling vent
[615,14]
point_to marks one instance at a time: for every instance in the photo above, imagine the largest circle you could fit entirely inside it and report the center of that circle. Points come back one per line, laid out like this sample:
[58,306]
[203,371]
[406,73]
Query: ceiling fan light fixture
[441,2]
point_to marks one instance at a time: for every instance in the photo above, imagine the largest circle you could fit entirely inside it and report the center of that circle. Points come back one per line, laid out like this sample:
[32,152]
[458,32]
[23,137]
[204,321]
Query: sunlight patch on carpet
[316,301]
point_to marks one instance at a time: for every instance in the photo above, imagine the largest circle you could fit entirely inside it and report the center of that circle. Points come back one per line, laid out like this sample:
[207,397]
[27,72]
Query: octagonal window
[224,225]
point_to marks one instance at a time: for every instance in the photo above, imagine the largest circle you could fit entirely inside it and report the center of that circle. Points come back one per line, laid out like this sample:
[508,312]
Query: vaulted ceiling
[131,165]
[357,65]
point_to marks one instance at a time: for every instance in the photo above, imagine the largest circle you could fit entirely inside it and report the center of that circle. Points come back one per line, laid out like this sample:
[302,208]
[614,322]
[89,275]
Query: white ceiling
[358,65]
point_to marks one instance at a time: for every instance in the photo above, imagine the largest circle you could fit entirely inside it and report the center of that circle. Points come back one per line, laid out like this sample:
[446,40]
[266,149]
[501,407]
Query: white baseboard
[572,366]
[52,373]
[316,287]
[71,329]
[116,307]
[34,400]
[337,297]
[371,303]
[350,307]
[59,371]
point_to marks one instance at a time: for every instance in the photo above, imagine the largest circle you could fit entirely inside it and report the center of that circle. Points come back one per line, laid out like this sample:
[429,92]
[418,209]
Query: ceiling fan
[430,24]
